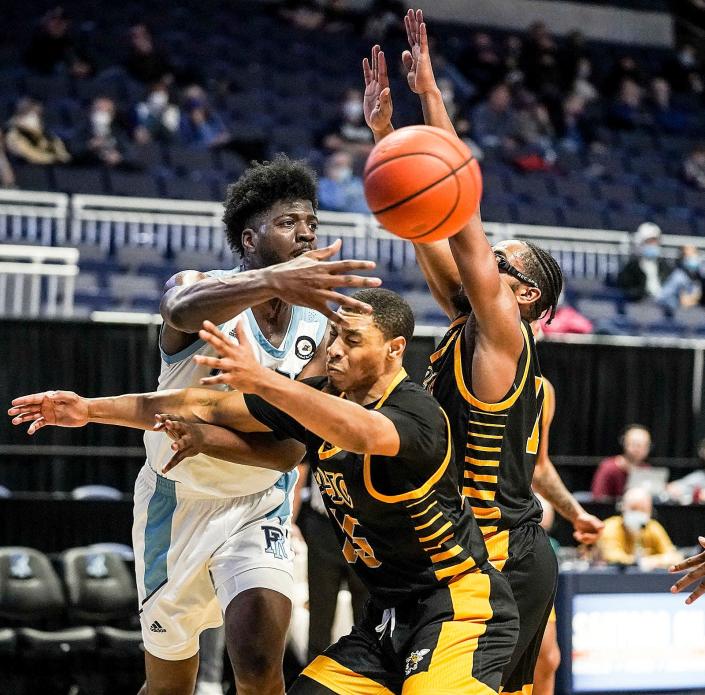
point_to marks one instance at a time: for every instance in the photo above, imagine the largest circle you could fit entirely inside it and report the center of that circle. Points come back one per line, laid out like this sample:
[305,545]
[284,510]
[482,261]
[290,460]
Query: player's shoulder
[410,395]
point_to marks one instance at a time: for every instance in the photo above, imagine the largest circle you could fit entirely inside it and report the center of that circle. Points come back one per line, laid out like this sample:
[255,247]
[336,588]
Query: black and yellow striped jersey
[496,443]
[400,520]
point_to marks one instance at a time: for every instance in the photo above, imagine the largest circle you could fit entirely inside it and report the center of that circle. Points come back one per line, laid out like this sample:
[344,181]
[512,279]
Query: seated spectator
[634,538]
[665,116]
[201,126]
[481,63]
[690,489]
[627,111]
[157,117]
[611,476]
[626,68]
[495,121]
[576,130]
[103,139]
[339,189]
[7,175]
[144,62]
[582,85]
[52,47]
[27,138]
[349,132]
[534,136]
[644,273]
[694,167]
[539,61]
[684,286]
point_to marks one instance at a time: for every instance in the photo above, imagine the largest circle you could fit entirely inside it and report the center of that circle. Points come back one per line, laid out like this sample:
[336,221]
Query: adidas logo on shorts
[156,627]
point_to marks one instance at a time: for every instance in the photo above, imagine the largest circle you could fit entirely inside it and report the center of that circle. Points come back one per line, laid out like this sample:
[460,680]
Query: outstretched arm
[547,482]
[336,420]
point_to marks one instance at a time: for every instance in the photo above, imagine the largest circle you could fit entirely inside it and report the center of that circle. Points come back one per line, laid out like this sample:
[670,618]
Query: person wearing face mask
[157,118]
[349,132]
[200,125]
[102,138]
[611,476]
[684,286]
[339,189]
[644,273]
[28,140]
[633,537]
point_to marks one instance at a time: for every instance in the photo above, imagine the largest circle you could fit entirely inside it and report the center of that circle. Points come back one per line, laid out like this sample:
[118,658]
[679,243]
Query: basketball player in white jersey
[211,538]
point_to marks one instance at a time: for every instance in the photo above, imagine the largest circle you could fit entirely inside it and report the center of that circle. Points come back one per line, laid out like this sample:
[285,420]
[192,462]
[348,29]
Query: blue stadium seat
[134,183]
[34,177]
[71,179]
[585,218]
[189,189]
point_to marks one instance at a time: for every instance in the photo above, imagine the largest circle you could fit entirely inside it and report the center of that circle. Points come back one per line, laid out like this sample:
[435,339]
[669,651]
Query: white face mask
[353,110]
[101,121]
[635,520]
[158,100]
[31,121]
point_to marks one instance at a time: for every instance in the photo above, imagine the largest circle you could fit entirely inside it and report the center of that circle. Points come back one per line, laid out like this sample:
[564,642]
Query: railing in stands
[36,280]
[170,227]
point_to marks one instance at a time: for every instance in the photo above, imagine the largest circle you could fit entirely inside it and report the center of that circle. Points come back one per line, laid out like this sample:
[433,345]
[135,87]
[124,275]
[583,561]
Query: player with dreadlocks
[485,372]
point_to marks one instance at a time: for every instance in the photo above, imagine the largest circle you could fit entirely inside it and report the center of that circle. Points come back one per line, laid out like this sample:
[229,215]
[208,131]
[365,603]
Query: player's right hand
[309,281]
[187,436]
[417,61]
[377,100]
[60,408]
[696,567]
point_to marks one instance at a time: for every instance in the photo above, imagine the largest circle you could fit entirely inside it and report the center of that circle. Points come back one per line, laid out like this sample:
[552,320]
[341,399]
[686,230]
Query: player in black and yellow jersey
[485,372]
[441,619]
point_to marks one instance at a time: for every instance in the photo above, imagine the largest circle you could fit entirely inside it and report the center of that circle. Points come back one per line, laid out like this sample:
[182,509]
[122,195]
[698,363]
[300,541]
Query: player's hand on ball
[60,408]
[236,365]
[417,61]
[377,100]
[696,565]
[587,528]
[187,436]
[309,281]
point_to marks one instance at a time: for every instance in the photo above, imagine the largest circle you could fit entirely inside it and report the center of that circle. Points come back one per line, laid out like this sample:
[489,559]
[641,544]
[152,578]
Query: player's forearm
[336,420]
[441,273]
[435,112]
[261,450]
[549,485]
[185,308]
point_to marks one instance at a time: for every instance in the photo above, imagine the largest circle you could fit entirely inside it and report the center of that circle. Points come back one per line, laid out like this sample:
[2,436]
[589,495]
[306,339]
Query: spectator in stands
[576,130]
[52,48]
[495,121]
[303,14]
[445,69]
[339,189]
[684,286]
[694,167]
[481,63]
[684,70]
[539,62]
[690,489]
[157,117]
[201,126]
[144,62]
[634,537]
[644,273]
[626,68]
[627,111]
[349,132]
[534,136]
[7,175]
[103,139]
[582,85]
[28,139]
[665,115]
[611,476]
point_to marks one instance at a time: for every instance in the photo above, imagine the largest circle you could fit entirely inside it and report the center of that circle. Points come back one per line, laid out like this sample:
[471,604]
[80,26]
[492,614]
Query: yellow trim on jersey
[447,554]
[484,424]
[465,392]
[471,475]
[324,453]
[487,495]
[482,462]
[340,679]
[425,498]
[498,548]
[547,395]
[486,436]
[420,491]
[455,570]
[428,523]
[477,447]
[440,543]
[435,534]
[430,506]
[486,512]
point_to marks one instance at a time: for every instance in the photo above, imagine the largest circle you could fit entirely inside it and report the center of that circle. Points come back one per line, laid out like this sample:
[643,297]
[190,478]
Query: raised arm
[192,297]
[339,421]
[547,482]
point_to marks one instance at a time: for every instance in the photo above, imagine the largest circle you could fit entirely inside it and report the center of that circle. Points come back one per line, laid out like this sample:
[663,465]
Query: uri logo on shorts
[276,542]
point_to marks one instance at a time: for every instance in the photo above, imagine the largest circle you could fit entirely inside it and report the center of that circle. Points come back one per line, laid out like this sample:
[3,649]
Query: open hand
[377,100]
[696,565]
[587,528]
[60,408]
[187,436]
[309,281]
[417,61]
[237,366]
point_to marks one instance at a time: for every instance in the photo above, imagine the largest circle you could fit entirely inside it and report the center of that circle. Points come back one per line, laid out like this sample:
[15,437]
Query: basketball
[422,183]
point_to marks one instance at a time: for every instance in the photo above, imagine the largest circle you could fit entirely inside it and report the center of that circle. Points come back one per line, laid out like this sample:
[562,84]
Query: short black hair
[543,269]
[260,187]
[391,313]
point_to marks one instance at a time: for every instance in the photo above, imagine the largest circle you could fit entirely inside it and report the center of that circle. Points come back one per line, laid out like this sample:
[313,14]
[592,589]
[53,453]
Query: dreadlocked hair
[542,267]
[262,185]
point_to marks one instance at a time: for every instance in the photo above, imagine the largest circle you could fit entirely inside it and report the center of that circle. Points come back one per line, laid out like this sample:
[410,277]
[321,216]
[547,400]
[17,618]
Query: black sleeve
[423,434]
[282,425]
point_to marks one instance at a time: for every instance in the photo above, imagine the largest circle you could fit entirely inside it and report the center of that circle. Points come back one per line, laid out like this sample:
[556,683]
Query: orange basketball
[422,183]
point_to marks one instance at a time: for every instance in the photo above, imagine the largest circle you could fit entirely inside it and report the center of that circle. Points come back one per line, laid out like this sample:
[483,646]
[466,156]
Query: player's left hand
[187,436]
[236,365]
[417,61]
[696,565]
[587,528]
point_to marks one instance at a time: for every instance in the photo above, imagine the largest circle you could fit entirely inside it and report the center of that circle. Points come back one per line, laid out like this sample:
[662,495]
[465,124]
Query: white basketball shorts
[194,554]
